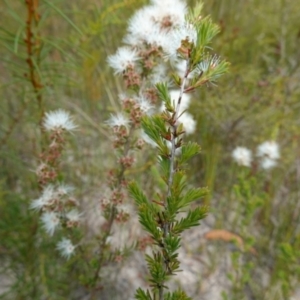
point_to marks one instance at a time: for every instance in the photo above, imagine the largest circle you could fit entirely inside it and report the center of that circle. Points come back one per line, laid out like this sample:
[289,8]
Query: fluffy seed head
[66,248]
[242,156]
[118,120]
[268,149]
[124,58]
[58,120]
[50,221]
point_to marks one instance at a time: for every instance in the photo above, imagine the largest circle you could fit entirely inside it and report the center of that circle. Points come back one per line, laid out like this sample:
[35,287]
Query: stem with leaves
[159,217]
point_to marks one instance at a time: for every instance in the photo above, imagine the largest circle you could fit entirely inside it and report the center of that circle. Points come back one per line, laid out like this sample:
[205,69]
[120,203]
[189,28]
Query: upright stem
[174,125]
[112,215]
[33,47]
[173,132]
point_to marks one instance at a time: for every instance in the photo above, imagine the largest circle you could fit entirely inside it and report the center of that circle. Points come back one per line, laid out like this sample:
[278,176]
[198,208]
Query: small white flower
[145,106]
[268,152]
[58,120]
[73,216]
[189,124]
[186,31]
[157,37]
[63,190]
[50,221]
[124,209]
[159,74]
[66,248]
[169,14]
[118,120]
[150,23]
[268,149]
[242,156]
[124,58]
[140,26]
[46,198]
[267,163]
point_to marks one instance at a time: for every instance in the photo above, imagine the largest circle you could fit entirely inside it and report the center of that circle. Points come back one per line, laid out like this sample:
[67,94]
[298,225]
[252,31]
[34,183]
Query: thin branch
[33,47]
[174,125]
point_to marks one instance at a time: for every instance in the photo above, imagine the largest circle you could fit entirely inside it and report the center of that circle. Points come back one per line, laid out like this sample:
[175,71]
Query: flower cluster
[158,36]
[57,123]
[56,205]
[268,153]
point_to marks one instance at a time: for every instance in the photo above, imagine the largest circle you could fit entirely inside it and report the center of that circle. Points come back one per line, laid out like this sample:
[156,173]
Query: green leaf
[164,164]
[147,220]
[172,243]
[142,295]
[137,194]
[206,31]
[17,40]
[155,128]
[177,295]
[163,93]
[147,211]
[179,183]
[188,151]
[192,219]
[156,268]
[176,78]
[192,195]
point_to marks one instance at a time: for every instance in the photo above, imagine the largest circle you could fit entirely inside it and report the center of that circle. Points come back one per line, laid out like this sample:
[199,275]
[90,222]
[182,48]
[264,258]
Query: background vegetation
[257,101]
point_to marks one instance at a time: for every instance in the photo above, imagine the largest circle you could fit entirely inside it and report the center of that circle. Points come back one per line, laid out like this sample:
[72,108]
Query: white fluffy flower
[73,216]
[169,13]
[242,156]
[186,31]
[50,221]
[124,58]
[57,120]
[189,124]
[118,120]
[268,149]
[66,248]
[159,74]
[64,189]
[145,106]
[140,26]
[152,23]
[268,152]
[268,163]
[47,197]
